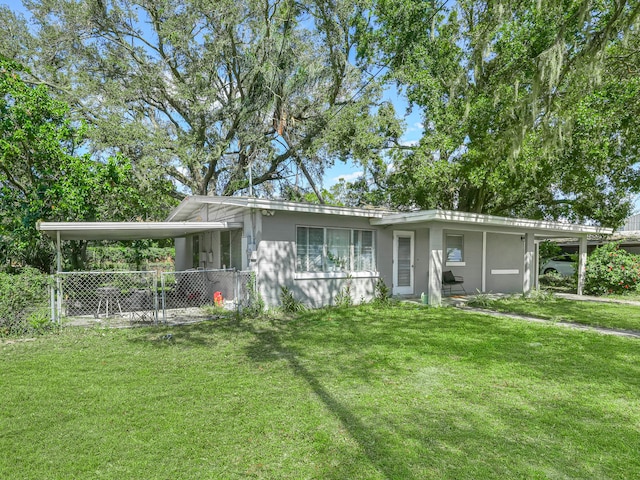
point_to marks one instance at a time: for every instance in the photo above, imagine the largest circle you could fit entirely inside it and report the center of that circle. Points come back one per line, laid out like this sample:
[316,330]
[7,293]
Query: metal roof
[227,207]
[223,213]
[466,218]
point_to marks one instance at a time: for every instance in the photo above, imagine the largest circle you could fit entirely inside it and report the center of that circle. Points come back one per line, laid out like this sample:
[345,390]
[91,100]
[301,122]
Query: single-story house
[313,250]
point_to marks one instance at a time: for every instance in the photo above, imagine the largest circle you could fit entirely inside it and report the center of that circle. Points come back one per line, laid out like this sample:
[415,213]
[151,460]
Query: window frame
[455,263]
[328,265]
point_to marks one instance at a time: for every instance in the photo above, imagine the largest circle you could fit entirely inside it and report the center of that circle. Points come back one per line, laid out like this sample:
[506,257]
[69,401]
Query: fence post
[59,297]
[164,294]
[52,300]
[155,297]
[236,293]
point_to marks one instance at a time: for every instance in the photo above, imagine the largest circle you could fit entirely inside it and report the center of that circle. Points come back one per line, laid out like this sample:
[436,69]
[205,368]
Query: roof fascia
[465,218]
[279,205]
[119,230]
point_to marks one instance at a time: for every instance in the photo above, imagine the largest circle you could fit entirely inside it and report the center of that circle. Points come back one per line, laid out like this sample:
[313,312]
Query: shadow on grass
[269,347]
[440,418]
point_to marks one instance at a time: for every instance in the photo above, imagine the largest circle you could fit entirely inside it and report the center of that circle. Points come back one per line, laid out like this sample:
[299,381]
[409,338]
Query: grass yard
[595,314]
[366,393]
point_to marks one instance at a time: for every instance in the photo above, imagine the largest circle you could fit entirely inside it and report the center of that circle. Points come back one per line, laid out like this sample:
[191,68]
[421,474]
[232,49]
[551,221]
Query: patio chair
[449,280]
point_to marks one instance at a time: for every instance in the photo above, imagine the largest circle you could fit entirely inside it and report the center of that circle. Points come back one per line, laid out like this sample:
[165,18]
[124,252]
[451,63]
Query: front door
[403,263]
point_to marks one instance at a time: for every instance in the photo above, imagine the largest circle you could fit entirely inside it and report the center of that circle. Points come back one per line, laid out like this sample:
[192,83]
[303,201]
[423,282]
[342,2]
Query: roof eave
[128,230]
[489,220]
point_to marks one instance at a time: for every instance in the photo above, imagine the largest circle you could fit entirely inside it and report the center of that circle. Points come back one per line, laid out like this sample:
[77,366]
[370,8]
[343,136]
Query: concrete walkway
[463,304]
[588,298]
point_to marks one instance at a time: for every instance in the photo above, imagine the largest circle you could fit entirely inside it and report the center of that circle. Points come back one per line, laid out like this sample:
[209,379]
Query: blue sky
[413,131]
[348,171]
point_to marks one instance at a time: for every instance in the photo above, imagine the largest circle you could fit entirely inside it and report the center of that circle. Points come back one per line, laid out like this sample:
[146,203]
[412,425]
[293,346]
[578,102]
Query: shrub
[256,302]
[559,282]
[289,302]
[540,296]
[24,300]
[610,270]
[343,298]
[382,292]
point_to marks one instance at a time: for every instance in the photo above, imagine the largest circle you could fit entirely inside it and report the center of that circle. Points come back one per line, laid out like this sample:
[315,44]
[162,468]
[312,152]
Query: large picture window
[321,249]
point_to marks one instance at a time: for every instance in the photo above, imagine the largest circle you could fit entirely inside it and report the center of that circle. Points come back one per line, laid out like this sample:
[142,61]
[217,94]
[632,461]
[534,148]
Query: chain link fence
[131,297]
[105,295]
[184,293]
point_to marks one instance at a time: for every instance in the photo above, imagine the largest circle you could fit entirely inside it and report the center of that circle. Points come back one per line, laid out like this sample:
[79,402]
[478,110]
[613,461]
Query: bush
[343,298]
[289,303]
[24,301]
[611,270]
[382,293]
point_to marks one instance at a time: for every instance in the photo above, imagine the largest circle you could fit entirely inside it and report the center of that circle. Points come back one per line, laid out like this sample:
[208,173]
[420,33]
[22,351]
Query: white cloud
[409,143]
[349,177]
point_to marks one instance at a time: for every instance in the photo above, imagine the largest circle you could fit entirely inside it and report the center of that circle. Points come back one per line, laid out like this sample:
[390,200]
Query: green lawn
[373,393]
[596,314]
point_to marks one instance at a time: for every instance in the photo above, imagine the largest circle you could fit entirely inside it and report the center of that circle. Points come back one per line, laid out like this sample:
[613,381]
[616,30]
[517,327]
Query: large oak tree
[530,107]
[215,94]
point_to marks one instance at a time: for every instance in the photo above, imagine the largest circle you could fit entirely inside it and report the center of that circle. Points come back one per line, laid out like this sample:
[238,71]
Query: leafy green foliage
[344,298]
[530,108]
[24,302]
[548,250]
[382,293]
[42,178]
[611,269]
[256,302]
[201,90]
[121,257]
[559,283]
[289,303]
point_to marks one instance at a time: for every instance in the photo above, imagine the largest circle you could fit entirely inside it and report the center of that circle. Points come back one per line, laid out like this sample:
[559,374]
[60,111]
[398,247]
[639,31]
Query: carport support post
[528,278]
[435,265]
[58,253]
[582,263]
[58,277]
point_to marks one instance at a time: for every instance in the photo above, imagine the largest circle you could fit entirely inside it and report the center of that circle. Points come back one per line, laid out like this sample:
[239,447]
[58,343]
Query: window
[195,251]
[334,250]
[310,244]
[363,250]
[230,249]
[455,249]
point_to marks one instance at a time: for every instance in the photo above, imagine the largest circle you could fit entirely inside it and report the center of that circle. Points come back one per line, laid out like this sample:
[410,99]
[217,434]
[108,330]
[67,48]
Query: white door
[403,263]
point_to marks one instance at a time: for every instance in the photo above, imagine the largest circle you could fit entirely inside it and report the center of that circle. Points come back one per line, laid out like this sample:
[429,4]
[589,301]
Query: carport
[135,295]
[120,231]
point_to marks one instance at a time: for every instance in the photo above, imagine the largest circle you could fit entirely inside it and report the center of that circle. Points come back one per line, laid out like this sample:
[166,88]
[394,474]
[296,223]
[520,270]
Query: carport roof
[129,230]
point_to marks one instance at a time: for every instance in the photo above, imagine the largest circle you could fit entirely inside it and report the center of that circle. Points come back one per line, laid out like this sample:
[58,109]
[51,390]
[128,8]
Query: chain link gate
[131,296]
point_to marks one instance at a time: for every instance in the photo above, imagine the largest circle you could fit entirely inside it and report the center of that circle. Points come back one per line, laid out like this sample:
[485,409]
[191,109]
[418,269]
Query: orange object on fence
[217,299]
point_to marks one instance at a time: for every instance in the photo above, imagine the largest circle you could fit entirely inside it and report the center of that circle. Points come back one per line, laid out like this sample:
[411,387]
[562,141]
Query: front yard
[595,314]
[399,392]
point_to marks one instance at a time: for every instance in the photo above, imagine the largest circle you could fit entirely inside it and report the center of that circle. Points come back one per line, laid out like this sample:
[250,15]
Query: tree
[218,95]
[42,177]
[526,109]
